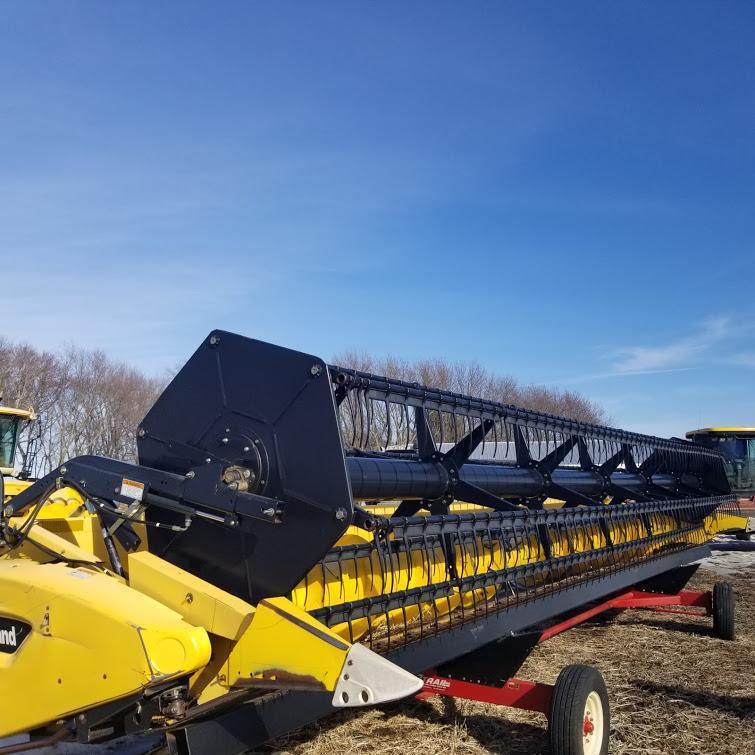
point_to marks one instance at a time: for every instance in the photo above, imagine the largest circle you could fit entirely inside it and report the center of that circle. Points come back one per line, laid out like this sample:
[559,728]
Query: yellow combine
[737,445]
[298,538]
[11,421]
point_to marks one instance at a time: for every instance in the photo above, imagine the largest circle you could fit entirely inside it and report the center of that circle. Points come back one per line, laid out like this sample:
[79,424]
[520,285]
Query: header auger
[293,526]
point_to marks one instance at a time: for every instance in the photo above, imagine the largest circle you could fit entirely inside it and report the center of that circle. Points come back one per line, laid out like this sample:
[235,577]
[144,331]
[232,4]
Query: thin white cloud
[681,353]
[743,359]
[706,346]
[613,374]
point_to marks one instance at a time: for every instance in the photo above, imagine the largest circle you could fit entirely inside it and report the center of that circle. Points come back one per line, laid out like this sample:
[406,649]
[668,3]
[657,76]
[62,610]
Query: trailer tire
[579,722]
[723,611]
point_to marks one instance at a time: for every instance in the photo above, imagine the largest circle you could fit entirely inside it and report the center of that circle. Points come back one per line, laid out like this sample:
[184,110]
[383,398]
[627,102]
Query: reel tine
[421,570]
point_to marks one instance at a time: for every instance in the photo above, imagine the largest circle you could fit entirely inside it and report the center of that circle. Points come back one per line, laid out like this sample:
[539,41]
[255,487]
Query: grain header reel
[304,536]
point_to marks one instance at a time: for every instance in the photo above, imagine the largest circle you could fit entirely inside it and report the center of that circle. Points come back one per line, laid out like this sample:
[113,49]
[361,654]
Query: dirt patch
[673,688]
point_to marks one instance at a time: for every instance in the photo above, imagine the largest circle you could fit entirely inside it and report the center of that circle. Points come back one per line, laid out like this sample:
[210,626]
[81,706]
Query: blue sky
[562,191]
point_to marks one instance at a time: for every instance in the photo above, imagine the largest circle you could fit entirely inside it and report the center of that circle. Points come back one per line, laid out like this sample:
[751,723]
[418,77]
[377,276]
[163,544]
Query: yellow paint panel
[13,486]
[92,640]
[64,515]
[285,647]
[731,523]
[197,601]
[10,411]
[720,431]
[39,536]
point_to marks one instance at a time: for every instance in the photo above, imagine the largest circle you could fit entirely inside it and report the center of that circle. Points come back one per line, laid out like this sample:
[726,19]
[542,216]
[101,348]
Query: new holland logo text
[12,634]
[8,637]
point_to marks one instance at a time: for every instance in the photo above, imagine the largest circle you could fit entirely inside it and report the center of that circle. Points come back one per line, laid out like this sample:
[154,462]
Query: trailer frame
[656,585]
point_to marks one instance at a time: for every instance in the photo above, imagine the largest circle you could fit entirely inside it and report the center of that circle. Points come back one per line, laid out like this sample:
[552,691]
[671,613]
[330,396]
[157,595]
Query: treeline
[475,380]
[85,402]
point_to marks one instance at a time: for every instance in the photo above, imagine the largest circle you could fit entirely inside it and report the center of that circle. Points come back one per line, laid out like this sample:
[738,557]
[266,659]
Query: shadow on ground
[742,706]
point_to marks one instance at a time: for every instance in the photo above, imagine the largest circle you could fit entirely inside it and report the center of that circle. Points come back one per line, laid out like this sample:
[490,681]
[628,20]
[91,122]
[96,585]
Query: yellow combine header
[299,537]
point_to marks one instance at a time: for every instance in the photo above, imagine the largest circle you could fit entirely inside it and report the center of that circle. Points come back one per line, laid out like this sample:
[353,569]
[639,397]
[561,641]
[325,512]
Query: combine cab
[299,537]
[11,421]
[737,445]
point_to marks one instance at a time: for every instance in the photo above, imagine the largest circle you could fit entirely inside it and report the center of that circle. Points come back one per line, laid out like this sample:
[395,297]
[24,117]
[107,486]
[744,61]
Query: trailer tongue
[310,536]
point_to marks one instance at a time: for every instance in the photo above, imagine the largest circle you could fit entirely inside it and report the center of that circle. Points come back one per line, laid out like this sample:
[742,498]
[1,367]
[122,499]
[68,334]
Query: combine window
[739,450]
[8,432]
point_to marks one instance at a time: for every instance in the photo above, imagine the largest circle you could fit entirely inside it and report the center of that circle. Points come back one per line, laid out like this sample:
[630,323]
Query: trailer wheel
[579,721]
[723,611]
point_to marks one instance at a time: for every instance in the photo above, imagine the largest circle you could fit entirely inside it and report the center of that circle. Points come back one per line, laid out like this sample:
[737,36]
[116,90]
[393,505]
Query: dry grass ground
[673,687]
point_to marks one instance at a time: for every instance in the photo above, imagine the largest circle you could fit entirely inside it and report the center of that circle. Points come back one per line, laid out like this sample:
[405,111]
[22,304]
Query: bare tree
[474,379]
[33,379]
[85,403]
